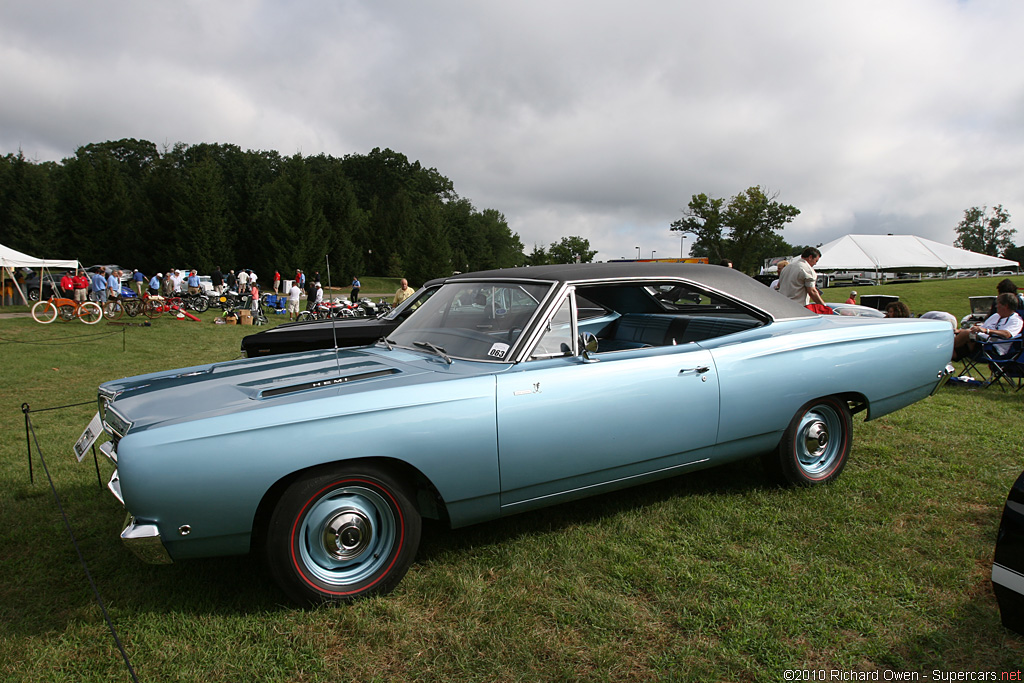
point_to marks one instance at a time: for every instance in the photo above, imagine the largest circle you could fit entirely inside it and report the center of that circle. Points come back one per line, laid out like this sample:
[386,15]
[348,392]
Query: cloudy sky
[578,117]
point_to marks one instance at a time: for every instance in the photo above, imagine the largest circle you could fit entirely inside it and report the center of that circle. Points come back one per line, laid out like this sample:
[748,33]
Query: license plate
[88,437]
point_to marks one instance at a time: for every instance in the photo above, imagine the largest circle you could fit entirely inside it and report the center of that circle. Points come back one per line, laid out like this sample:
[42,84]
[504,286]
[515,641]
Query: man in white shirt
[799,281]
[293,301]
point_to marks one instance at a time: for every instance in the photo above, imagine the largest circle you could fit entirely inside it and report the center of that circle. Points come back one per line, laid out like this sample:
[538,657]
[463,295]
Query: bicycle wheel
[305,316]
[152,309]
[44,312]
[200,303]
[90,313]
[112,310]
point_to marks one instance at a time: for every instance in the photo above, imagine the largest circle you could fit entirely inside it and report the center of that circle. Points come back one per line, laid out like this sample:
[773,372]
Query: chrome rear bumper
[943,377]
[144,540]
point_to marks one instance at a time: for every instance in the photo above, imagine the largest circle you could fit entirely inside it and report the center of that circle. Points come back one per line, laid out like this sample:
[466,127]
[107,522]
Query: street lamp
[638,253]
[653,252]
[682,236]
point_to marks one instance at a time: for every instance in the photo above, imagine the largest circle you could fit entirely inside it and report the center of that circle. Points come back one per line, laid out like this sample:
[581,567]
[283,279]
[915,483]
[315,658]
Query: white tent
[906,253]
[11,259]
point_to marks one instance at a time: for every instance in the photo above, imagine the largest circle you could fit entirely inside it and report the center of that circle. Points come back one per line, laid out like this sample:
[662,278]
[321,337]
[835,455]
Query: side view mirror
[588,345]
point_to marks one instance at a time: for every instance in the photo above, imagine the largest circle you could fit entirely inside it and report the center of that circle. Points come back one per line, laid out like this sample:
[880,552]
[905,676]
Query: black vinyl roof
[726,281]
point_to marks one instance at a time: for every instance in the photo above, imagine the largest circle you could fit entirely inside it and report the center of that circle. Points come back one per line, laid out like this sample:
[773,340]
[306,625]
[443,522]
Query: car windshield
[405,309]
[472,320]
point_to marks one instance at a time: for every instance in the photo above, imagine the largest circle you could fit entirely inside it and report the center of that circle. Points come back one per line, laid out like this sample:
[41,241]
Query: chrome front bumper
[144,540]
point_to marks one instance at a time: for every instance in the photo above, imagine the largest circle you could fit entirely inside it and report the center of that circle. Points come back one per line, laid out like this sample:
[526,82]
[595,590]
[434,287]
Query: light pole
[638,253]
[653,252]
[682,236]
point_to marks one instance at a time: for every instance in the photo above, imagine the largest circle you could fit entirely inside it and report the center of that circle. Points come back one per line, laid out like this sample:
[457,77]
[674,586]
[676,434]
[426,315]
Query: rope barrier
[67,525]
[59,340]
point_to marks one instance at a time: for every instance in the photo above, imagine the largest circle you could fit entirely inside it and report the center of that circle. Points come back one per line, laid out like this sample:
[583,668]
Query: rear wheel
[342,533]
[200,304]
[90,313]
[816,444]
[44,312]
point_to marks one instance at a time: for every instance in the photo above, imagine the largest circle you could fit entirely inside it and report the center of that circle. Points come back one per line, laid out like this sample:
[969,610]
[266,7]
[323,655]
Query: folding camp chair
[974,364]
[1008,368]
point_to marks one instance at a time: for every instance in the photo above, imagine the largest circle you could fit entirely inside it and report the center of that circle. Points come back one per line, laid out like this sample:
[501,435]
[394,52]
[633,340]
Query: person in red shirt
[67,287]
[80,283]
[277,282]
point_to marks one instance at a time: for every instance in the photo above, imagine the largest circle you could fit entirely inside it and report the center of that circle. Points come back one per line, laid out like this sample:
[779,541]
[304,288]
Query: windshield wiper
[436,349]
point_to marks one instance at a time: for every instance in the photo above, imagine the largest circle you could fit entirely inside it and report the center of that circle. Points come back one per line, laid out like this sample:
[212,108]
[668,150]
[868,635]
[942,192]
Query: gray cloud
[590,118]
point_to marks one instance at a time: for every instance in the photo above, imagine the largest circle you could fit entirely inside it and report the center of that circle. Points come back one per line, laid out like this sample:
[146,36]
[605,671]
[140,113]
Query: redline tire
[342,533]
[816,444]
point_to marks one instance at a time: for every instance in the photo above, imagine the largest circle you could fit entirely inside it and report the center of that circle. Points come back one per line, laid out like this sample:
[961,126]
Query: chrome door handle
[699,370]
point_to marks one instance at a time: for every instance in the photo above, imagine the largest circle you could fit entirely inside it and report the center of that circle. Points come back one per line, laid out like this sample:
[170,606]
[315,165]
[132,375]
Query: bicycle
[45,312]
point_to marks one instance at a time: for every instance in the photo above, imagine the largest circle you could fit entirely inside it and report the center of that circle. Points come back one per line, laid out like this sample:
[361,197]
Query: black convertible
[324,334]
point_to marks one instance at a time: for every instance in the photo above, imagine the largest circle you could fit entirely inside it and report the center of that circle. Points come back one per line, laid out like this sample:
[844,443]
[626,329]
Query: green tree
[985,233]
[703,218]
[1015,254]
[28,208]
[755,220]
[745,230]
[538,257]
[571,250]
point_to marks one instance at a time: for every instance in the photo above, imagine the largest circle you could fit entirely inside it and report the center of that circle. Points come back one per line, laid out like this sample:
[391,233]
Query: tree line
[208,205]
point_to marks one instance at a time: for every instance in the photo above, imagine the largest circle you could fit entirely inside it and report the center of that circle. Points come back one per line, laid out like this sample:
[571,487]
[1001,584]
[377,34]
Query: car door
[567,425]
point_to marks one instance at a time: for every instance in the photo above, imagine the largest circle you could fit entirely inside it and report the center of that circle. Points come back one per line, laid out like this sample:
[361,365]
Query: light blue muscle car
[506,391]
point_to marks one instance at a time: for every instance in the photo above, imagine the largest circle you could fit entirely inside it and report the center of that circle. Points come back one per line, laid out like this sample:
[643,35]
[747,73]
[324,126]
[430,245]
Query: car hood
[204,391]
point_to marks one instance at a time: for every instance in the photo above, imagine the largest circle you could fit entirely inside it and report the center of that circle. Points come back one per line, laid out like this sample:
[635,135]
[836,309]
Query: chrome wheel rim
[819,440]
[346,536]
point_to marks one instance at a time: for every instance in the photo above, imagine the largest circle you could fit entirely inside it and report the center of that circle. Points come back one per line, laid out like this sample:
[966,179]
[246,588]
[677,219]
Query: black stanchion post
[28,443]
[99,480]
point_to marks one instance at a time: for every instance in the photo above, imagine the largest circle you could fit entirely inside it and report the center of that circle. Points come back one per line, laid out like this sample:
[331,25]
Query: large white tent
[11,259]
[907,253]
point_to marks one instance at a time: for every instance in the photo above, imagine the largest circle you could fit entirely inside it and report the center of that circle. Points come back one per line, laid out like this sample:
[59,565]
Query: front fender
[211,474]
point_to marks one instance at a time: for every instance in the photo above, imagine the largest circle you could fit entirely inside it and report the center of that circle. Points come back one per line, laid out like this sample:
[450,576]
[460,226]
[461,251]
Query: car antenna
[330,312]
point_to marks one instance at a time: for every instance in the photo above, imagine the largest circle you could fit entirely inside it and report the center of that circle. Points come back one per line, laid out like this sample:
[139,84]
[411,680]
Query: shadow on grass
[50,588]
[732,478]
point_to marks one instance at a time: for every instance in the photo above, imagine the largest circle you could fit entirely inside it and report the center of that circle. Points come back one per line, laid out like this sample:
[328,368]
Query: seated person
[941,315]
[1005,323]
[1006,286]
[897,309]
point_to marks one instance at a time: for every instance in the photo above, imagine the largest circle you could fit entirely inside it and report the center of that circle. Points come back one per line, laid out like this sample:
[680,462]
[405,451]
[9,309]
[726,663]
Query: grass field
[716,576]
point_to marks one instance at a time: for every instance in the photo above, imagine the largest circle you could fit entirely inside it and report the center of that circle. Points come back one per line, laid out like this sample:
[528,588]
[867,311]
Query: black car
[1008,565]
[51,285]
[321,334]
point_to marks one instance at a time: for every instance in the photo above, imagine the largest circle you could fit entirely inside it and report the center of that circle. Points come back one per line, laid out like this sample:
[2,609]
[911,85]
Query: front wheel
[305,316]
[112,310]
[816,444]
[90,313]
[44,312]
[201,304]
[341,534]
